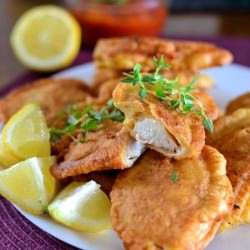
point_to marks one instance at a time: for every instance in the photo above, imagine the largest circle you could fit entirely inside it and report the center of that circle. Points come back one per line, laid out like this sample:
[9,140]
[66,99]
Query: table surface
[209,25]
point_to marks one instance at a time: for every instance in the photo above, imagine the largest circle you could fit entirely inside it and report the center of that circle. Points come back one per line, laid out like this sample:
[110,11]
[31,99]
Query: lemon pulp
[46,38]
[26,134]
[29,184]
[7,159]
[82,206]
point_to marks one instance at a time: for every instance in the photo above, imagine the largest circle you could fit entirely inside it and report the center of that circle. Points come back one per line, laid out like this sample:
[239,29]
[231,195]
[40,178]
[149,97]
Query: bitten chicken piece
[52,95]
[165,130]
[232,138]
[166,204]
[109,147]
[124,53]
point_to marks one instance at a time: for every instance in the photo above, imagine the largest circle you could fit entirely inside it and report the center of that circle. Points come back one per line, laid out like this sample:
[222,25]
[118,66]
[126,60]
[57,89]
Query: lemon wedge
[46,38]
[26,134]
[82,206]
[7,159]
[29,184]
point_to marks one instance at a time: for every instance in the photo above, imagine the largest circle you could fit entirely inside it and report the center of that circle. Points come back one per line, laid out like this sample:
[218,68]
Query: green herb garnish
[84,121]
[175,176]
[169,91]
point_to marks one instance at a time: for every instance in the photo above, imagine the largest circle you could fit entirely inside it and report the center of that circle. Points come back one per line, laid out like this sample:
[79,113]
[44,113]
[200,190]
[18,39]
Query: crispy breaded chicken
[153,210]
[232,138]
[103,90]
[124,53]
[165,130]
[186,76]
[242,101]
[105,178]
[121,54]
[109,147]
[103,75]
[52,95]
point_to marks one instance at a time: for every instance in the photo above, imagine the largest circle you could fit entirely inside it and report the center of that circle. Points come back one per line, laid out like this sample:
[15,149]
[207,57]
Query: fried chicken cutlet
[242,101]
[232,138]
[105,178]
[51,94]
[103,89]
[117,55]
[165,130]
[123,53]
[109,147]
[153,209]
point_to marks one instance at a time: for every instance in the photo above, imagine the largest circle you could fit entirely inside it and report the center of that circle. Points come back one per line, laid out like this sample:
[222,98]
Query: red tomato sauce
[102,20]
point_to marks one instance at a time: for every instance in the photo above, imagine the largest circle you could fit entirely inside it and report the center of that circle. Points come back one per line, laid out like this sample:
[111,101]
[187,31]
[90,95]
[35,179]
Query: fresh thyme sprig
[175,96]
[84,120]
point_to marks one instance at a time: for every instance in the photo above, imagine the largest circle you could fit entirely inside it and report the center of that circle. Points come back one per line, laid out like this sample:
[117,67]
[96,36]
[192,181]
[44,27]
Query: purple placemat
[16,232]
[83,57]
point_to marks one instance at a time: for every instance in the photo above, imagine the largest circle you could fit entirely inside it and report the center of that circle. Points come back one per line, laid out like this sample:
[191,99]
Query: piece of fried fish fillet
[166,130]
[232,138]
[124,53]
[166,204]
[51,94]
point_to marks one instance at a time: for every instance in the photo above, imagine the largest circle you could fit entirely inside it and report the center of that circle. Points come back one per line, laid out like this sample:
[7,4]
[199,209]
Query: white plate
[231,81]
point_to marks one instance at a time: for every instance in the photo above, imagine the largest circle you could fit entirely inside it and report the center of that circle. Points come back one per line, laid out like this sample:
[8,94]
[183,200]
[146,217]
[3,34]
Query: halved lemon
[46,38]
[82,206]
[29,184]
[7,159]
[26,134]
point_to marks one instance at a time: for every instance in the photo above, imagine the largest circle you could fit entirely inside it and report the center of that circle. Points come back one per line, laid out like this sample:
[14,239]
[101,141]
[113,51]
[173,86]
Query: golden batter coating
[232,138]
[185,77]
[105,91]
[109,147]
[151,210]
[51,94]
[105,178]
[242,101]
[124,53]
[106,80]
[103,75]
[165,130]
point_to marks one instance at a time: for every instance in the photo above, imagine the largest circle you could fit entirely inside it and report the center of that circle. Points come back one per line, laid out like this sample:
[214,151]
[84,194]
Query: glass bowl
[112,18]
